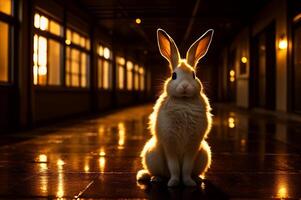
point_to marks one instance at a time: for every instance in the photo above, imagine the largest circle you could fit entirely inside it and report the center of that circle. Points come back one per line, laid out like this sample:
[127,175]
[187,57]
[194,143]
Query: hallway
[253,157]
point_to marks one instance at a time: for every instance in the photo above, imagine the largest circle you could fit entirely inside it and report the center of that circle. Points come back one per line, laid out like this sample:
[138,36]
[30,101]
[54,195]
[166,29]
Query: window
[136,77]
[104,65]
[120,63]
[47,51]
[77,59]
[142,79]
[6,25]
[129,75]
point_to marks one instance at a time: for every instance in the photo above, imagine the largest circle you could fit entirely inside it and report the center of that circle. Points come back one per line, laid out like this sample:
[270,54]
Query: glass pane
[100,50]
[68,35]
[56,28]
[136,68]
[129,67]
[44,23]
[54,60]
[75,38]
[75,67]
[4,41]
[6,6]
[82,42]
[120,77]
[106,75]
[84,70]
[100,63]
[42,60]
[88,44]
[37,20]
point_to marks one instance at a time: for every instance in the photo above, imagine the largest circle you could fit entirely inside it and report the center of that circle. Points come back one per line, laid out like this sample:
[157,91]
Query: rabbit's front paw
[173,182]
[189,182]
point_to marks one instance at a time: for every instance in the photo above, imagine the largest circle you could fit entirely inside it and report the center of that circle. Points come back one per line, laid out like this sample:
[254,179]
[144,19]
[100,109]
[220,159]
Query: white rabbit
[181,119]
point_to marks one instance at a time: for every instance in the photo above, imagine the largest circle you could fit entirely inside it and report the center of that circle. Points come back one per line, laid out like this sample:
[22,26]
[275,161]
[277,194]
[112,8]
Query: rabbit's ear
[168,48]
[199,48]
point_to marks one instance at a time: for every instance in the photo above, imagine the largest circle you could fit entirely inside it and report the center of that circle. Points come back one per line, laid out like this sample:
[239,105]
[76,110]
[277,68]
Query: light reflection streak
[60,185]
[121,135]
[102,163]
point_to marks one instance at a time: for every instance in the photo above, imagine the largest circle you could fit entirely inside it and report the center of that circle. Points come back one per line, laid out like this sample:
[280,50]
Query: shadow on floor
[205,190]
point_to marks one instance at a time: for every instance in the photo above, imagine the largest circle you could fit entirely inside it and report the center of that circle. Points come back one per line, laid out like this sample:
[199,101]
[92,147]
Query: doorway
[263,69]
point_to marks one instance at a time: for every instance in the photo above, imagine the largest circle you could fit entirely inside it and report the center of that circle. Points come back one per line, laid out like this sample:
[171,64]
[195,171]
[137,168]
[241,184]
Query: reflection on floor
[253,157]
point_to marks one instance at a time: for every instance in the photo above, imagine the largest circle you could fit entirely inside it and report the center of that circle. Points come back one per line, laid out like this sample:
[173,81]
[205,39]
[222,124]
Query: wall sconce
[138,21]
[244,59]
[282,42]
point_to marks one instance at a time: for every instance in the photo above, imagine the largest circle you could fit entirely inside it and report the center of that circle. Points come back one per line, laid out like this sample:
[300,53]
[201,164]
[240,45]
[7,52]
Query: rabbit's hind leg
[153,159]
[203,161]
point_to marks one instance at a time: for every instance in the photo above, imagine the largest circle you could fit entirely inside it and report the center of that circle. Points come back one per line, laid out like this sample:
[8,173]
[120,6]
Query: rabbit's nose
[184,85]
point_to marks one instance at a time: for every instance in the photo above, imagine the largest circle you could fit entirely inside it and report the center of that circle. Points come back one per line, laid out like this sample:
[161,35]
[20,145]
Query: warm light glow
[106,75]
[121,135]
[68,42]
[6,6]
[60,162]
[37,20]
[138,21]
[100,50]
[106,53]
[232,72]
[44,23]
[232,79]
[297,18]
[231,122]
[102,152]
[243,142]
[102,163]
[86,168]
[244,59]
[282,193]
[141,71]
[136,78]
[282,43]
[42,158]
[129,76]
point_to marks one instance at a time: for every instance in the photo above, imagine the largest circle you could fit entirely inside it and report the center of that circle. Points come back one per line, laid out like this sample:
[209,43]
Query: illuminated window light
[37,20]
[100,50]
[43,23]
[282,43]
[138,21]
[106,53]
[244,59]
[42,70]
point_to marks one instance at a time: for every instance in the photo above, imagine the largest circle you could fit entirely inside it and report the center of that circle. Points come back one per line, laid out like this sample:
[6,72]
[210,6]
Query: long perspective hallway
[253,157]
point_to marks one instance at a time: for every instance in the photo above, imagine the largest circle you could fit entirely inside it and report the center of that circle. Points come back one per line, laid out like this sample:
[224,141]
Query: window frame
[49,36]
[110,61]
[81,50]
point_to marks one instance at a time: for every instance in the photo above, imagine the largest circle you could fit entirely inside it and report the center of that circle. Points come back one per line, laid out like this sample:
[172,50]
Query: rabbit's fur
[181,119]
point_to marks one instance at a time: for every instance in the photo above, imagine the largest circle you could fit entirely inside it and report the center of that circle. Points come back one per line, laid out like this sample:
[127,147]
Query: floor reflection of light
[60,185]
[231,122]
[60,162]
[87,167]
[102,152]
[102,163]
[121,135]
[282,193]
[42,158]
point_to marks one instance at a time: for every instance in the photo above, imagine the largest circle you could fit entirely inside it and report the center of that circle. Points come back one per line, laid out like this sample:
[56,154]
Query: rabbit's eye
[193,75]
[174,76]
